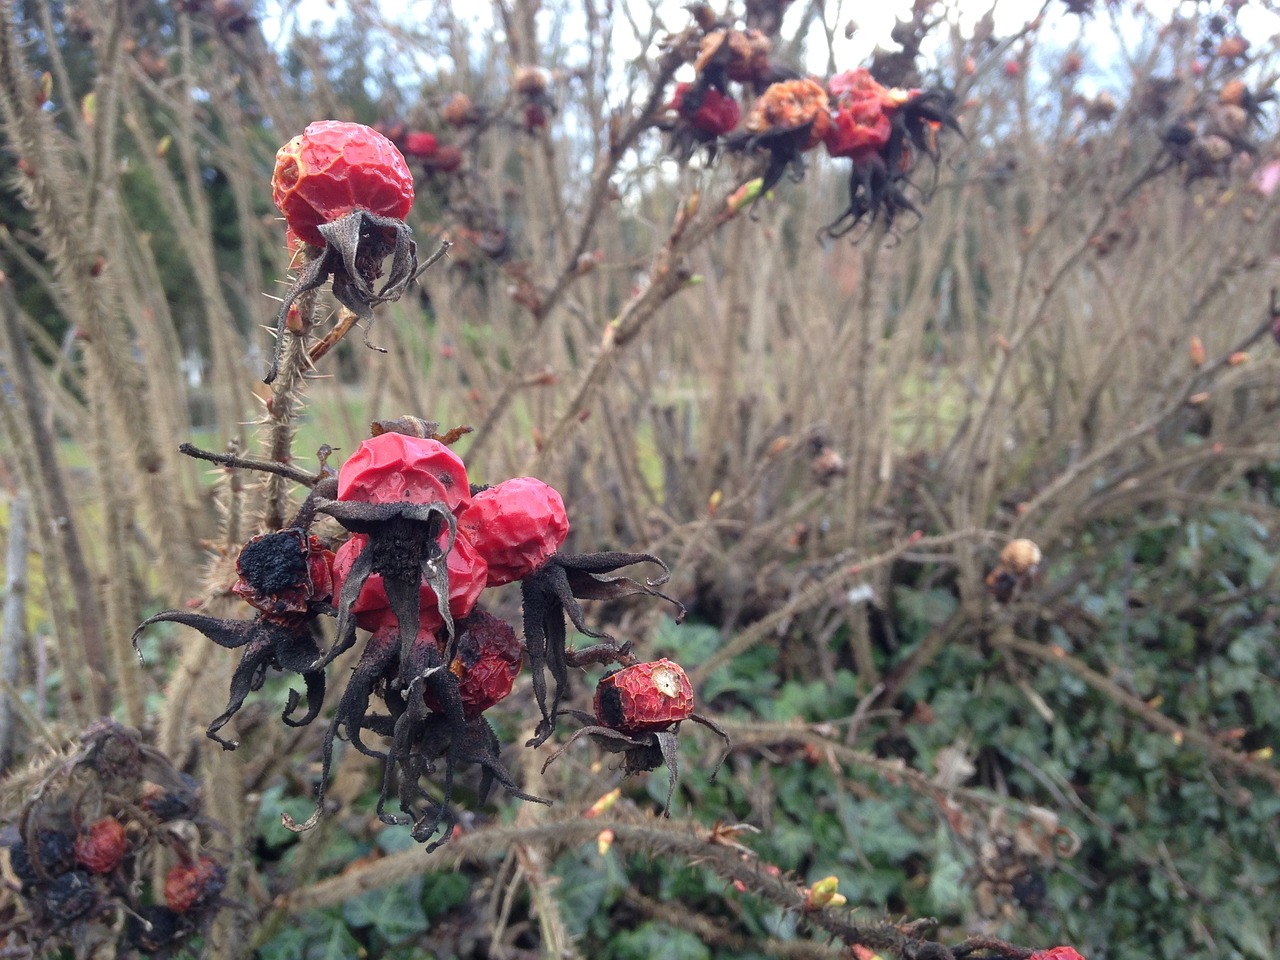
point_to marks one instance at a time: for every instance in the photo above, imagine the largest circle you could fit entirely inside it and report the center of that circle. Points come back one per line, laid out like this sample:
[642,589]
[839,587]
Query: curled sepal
[641,752]
[423,737]
[355,247]
[551,593]
[403,549]
[268,642]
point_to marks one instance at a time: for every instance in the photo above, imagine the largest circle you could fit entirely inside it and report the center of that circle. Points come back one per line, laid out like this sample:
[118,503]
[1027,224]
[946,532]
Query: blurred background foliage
[829,442]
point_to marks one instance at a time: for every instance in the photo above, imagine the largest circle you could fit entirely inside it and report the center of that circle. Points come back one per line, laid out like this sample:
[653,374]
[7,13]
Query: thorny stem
[286,401]
[818,592]
[667,277]
[13,634]
[1004,637]
[1126,439]
[232,461]
[598,195]
[656,838]
[982,424]
[64,556]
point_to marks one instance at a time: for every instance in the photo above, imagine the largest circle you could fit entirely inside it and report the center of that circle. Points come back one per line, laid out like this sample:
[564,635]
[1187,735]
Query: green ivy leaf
[395,912]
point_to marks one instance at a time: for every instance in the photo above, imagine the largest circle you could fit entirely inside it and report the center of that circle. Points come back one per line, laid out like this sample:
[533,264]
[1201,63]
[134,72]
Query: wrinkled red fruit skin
[395,468]
[718,114]
[332,168]
[468,575]
[515,525]
[419,144]
[190,886]
[1057,953]
[102,845]
[644,697]
[857,131]
[488,661]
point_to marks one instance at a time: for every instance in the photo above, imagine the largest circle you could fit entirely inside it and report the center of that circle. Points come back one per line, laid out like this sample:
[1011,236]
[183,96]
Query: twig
[667,277]
[1241,762]
[13,632]
[816,593]
[250,463]
[657,838]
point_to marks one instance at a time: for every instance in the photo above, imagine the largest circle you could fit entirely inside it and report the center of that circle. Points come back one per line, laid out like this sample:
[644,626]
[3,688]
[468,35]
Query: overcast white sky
[874,21]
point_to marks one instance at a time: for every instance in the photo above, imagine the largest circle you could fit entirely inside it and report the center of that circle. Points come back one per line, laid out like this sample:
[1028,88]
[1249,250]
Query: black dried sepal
[55,852]
[70,897]
[178,804]
[421,737]
[154,927]
[355,247]
[274,562]
[269,642]
[402,549]
[551,594]
[785,147]
[22,867]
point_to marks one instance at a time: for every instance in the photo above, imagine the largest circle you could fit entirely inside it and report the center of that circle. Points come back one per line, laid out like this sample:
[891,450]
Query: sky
[873,21]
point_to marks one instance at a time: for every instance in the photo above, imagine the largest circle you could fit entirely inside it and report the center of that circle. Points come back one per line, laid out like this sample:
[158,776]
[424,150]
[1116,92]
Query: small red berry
[715,114]
[420,145]
[488,661]
[644,697]
[333,168]
[102,845]
[445,160]
[372,609]
[395,467]
[535,116]
[191,886]
[515,525]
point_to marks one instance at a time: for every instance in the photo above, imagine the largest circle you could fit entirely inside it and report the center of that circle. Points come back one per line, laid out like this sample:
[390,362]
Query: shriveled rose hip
[333,168]
[515,525]
[395,467]
[102,845]
[644,697]
[190,886]
[488,661]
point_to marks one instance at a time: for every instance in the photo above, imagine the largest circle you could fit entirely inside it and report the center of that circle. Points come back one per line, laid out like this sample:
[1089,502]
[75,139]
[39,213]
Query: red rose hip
[713,113]
[191,886]
[333,168]
[644,697]
[515,525]
[395,467]
[102,845]
[488,661]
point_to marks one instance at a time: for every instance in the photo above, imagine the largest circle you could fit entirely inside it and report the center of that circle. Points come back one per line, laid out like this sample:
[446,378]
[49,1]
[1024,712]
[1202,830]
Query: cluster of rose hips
[423,545]
[423,147]
[882,131]
[84,848]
